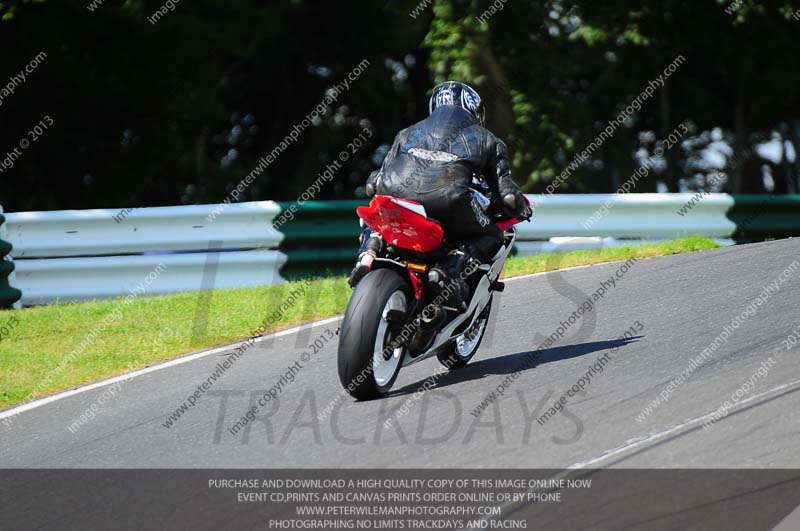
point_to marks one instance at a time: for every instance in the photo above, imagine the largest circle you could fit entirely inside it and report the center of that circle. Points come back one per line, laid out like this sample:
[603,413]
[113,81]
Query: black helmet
[460,95]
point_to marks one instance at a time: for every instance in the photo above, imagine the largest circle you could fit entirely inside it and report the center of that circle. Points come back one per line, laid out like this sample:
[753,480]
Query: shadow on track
[511,363]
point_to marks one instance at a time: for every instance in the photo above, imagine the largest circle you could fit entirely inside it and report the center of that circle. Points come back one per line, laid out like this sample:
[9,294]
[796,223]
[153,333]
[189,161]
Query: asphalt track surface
[681,303]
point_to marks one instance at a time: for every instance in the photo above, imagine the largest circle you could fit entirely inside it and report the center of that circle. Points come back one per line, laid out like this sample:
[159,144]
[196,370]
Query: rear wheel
[368,365]
[461,350]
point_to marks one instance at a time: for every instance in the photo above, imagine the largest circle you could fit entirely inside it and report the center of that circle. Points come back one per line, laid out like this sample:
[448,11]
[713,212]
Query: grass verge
[51,348]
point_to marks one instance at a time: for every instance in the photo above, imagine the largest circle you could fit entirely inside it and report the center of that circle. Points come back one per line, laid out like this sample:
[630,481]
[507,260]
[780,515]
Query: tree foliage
[180,111]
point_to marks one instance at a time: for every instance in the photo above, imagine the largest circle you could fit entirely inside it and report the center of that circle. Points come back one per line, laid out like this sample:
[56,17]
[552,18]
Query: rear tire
[460,351]
[363,370]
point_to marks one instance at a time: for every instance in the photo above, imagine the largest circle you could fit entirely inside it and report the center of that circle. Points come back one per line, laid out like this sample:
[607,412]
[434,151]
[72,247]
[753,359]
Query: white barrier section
[68,279]
[585,221]
[179,228]
[87,254]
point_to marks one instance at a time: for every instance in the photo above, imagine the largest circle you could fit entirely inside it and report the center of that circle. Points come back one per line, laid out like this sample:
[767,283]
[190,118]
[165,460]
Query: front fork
[371,248]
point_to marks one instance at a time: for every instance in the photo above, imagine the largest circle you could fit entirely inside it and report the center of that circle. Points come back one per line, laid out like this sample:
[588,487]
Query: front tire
[364,370]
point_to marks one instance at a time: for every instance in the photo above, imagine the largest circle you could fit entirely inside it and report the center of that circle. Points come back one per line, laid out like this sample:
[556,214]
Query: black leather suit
[433,162]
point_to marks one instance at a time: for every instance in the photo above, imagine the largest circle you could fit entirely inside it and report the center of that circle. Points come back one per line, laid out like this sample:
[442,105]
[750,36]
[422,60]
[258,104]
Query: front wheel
[368,363]
[461,350]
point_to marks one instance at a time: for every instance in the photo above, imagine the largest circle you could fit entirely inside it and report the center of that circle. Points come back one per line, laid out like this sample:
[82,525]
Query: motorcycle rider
[433,162]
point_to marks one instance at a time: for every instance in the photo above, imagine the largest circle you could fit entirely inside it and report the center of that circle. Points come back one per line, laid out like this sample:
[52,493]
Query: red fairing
[401,226]
[504,225]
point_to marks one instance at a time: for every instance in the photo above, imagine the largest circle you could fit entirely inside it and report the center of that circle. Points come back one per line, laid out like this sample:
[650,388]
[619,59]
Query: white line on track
[171,363]
[653,437]
[638,442]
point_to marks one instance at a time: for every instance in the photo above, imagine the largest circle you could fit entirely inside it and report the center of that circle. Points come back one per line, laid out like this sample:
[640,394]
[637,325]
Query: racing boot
[456,279]
[450,291]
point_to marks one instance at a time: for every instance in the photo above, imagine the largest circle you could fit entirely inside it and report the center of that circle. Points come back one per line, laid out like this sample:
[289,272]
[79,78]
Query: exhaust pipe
[430,321]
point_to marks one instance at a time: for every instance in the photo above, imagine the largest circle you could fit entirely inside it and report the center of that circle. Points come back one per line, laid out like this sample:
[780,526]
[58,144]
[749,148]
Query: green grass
[57,347]
[552,261]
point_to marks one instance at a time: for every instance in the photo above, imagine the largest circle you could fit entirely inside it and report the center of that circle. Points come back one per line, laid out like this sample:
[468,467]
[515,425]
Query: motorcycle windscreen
[400,226]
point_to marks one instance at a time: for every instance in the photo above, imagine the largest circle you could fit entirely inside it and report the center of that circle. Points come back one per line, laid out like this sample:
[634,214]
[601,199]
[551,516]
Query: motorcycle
[398,313]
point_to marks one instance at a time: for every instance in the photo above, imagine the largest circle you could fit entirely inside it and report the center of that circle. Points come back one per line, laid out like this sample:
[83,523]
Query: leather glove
[517,206]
